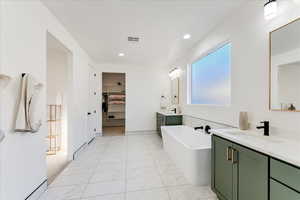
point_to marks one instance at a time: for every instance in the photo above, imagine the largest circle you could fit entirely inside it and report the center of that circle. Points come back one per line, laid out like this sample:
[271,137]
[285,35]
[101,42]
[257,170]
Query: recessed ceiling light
[121,54]
[187,36]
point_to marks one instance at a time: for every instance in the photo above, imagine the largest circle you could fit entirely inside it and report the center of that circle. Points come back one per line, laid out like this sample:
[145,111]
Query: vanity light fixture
[175,73]
[4,80]
[187,36]
[270,9]
[121,54]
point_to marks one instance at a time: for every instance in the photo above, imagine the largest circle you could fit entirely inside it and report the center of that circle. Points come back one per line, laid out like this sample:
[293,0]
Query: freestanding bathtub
[191,152]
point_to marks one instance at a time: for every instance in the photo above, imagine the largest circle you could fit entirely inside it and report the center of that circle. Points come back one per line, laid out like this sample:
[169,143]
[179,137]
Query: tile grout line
[126,167]
[155,157]
[93,173]
[160,175]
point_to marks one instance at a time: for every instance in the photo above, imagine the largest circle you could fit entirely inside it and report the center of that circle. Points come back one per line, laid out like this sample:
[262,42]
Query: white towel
[29,89]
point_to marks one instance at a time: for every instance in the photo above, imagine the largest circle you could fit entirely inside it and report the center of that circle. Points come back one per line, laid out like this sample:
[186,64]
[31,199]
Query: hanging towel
[29,89]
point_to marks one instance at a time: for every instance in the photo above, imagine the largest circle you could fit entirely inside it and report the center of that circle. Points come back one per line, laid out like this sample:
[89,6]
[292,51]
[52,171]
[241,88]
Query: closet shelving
[115,105]
[54,128]
[114,100]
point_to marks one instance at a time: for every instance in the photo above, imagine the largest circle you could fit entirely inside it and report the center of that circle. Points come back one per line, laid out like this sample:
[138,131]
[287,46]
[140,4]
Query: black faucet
[207,129]
[200,127]
[266,127]
[174,109]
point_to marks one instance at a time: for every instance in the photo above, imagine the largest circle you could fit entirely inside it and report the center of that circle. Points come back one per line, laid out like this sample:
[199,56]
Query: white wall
[57,71]
[25,26]
[144,86]
[1,104]
[248,32]
[58,68]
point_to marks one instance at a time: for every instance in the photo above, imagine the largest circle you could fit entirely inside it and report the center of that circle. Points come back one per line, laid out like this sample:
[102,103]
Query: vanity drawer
[285,173]
[173,120]
[281,192]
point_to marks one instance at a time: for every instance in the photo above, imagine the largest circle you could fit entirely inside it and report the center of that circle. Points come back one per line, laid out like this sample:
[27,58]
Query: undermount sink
[251,135]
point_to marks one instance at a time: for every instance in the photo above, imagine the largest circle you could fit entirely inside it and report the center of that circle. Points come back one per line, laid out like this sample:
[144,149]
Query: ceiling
[102,26]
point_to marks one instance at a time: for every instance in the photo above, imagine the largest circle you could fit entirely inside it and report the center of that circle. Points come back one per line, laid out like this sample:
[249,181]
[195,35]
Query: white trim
[79,150]
[210,50]
[35,195]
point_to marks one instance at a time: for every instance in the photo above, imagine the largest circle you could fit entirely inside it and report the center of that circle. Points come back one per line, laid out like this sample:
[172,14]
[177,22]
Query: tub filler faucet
[199,127]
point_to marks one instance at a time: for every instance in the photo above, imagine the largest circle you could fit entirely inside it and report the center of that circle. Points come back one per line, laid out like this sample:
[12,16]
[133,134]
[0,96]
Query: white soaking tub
[191,152]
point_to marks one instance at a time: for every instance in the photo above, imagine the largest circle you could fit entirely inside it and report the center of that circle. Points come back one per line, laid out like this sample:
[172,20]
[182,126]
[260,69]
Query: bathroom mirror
[175,91]
[285,68]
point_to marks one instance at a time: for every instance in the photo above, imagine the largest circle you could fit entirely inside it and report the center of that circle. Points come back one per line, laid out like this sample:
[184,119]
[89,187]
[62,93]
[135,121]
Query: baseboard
[143,132]
[36,194]
[91,140]
[77,152]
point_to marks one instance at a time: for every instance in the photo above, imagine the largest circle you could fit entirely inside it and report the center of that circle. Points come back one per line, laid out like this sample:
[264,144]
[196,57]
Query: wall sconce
[174,73]
[4,80]
[270,9]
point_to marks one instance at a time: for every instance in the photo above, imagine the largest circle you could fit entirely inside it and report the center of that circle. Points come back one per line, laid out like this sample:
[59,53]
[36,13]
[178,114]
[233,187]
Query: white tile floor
[124,168]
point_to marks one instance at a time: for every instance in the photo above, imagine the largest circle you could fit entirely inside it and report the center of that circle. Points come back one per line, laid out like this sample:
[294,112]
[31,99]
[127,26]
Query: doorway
[113,104]
[59,64]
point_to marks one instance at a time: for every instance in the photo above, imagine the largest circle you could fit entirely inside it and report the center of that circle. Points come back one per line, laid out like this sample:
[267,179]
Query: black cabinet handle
[89,113]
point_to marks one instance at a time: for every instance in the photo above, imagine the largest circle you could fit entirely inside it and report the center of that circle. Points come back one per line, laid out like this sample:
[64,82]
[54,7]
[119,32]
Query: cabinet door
[173,120]
[250,174]
[222,169]
[281,192]
[158,122]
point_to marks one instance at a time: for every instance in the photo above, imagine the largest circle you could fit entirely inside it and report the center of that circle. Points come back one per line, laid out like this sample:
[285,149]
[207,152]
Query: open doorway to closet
[59,66]
[113,104]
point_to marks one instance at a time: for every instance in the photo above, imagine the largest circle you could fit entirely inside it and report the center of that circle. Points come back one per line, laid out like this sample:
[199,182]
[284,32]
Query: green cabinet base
[167,120]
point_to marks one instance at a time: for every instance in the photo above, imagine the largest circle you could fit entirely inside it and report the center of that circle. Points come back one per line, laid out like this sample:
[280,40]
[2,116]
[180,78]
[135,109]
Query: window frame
[189,78]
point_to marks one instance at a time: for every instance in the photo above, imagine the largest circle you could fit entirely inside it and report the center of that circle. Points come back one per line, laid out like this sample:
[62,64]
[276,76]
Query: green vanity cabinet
[284,181]
[238,173]
[167,120]
[251,174]
[222,182]
[281,192]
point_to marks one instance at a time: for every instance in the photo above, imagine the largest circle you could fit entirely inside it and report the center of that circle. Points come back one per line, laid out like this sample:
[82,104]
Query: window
[210,78]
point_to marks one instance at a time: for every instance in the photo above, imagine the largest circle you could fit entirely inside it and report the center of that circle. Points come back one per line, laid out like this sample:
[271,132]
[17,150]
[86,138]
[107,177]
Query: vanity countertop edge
[283,149]
[168,114]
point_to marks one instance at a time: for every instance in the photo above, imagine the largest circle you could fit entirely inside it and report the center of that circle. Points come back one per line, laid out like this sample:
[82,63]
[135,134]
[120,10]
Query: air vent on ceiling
[133,39]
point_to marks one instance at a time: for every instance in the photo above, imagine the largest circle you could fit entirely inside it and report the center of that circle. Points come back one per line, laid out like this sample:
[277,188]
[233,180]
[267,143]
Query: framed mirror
[175,91]
[285,68]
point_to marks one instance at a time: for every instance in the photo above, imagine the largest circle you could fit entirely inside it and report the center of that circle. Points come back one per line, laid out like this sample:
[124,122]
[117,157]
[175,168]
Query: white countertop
[287,150]
[166,113]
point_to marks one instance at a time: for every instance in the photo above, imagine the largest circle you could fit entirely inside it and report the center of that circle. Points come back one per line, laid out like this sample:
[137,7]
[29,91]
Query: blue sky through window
[210,78]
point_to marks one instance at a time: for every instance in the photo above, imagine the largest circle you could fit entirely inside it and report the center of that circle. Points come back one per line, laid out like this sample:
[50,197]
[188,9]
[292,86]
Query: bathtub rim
[164,130]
